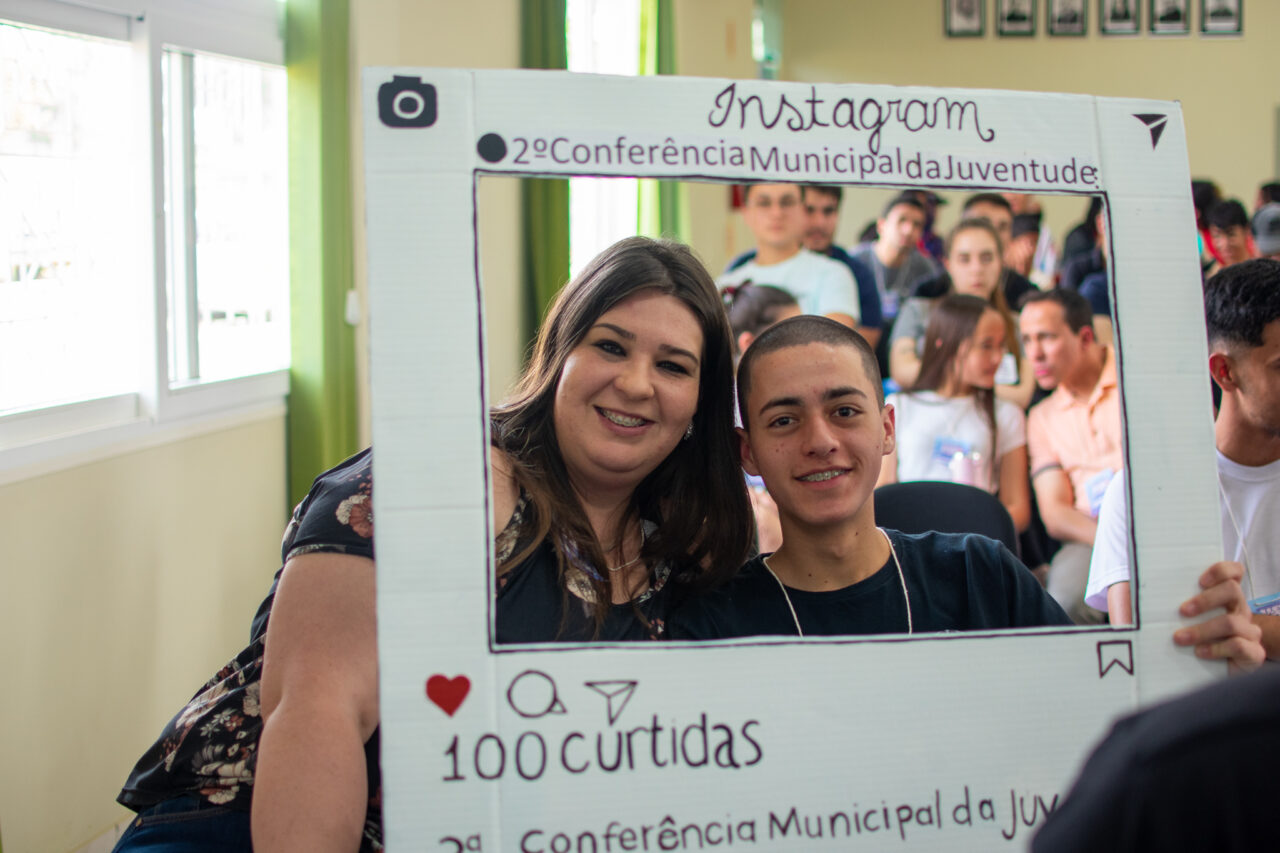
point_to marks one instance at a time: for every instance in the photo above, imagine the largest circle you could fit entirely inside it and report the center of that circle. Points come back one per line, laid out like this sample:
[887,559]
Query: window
[143,220]
[67,288]
[227,217]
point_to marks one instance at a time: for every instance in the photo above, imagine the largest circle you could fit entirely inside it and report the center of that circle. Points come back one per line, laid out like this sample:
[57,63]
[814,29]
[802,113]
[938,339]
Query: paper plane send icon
[1155,123]
[616,693]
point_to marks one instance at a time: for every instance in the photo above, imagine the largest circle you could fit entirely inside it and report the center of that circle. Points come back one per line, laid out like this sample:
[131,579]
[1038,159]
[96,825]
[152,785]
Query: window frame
[42,440]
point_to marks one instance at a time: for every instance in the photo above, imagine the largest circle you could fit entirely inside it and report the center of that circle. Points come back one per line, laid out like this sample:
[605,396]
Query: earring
[688,433]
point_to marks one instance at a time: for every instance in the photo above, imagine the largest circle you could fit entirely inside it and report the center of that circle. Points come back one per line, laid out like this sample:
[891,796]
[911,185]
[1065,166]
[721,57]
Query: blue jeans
[187,824]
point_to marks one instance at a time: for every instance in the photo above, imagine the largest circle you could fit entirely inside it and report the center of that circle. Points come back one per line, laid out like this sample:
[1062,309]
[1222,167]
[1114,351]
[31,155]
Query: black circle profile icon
[491,148]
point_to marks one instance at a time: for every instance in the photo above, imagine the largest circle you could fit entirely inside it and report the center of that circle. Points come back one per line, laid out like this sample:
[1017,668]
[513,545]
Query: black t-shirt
[1194,774]
[956,582]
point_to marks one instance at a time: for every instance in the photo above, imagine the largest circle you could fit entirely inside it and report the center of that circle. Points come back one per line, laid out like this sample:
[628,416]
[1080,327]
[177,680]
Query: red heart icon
[448,693]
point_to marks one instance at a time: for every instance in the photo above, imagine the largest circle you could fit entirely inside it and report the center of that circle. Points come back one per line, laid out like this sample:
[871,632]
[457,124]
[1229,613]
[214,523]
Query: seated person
[1192,774]
[1229,231]
[752,309]
[1084,236]
[974,266]
[893,256]
[996,209]
[1242,312]
[1085,264]
[777,221]
[816,429]
[1074,436]
[1266,231]
[822,216]
[1096,290]
[1024,236]
[615,477]
[950,425]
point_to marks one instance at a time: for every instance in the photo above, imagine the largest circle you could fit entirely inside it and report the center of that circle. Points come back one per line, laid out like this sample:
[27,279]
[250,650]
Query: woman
[605,507]
[615,464]
[975,266]
[950,425]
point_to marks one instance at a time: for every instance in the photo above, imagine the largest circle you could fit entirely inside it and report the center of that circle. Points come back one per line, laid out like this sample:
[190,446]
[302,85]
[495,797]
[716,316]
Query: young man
[895,262]
[1229,231]
[1242,313]
[1074,436]
[775,216]
[822,216]
[815,427]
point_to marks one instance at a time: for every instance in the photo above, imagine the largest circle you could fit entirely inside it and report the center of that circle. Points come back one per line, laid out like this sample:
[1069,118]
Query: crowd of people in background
[996,345]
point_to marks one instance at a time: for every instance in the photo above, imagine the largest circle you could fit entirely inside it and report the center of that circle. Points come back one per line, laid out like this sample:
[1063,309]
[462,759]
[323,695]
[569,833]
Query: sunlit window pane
[70,293]
[238,181]
[603,38]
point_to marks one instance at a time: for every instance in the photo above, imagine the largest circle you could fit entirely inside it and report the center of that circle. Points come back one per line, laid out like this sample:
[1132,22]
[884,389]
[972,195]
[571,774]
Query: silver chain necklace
[906,596]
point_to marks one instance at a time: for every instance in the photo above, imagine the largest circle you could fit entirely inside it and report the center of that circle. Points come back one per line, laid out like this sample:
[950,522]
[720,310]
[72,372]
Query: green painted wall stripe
[322,429]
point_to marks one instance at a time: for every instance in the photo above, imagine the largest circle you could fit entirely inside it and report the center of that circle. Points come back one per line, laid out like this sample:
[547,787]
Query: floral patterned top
[210,748]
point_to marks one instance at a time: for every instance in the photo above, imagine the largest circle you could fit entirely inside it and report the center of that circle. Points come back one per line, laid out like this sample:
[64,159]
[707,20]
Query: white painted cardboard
[955,742]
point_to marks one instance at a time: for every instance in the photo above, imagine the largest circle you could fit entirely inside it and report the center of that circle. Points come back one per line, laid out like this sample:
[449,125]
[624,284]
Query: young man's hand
[1231,635]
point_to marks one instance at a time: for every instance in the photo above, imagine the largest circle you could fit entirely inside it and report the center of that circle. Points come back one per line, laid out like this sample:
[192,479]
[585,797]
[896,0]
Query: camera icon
[407,102]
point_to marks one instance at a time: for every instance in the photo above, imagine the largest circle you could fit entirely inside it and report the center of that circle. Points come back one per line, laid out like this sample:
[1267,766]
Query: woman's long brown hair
[697,495]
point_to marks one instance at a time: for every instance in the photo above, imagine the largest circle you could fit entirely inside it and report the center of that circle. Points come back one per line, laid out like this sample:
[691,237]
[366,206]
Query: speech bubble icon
[533,694]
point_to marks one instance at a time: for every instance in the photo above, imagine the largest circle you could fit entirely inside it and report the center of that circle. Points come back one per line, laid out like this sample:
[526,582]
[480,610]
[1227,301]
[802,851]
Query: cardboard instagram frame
[958,741]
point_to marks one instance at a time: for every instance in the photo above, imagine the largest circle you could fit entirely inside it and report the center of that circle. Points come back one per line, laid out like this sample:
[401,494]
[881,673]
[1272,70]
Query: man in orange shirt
[1074,436]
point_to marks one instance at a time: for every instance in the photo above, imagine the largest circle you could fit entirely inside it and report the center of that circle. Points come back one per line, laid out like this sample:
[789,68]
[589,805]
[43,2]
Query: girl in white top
[950,424]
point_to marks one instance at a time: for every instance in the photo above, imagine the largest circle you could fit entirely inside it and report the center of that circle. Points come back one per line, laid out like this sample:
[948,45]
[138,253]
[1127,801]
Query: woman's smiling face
[628,391]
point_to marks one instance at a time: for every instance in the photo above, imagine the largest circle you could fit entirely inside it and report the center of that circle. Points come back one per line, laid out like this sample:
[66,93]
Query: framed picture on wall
[1118,17]
[1016,17]
[964,17]
[1222,17]
[1171,17]
[1068,18]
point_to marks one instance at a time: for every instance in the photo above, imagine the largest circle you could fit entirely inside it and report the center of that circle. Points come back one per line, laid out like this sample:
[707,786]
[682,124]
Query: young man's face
[901,227]
[775,216]
[822,214]
[815,433]
[1047,340]
[1232,243]
[1257,376]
